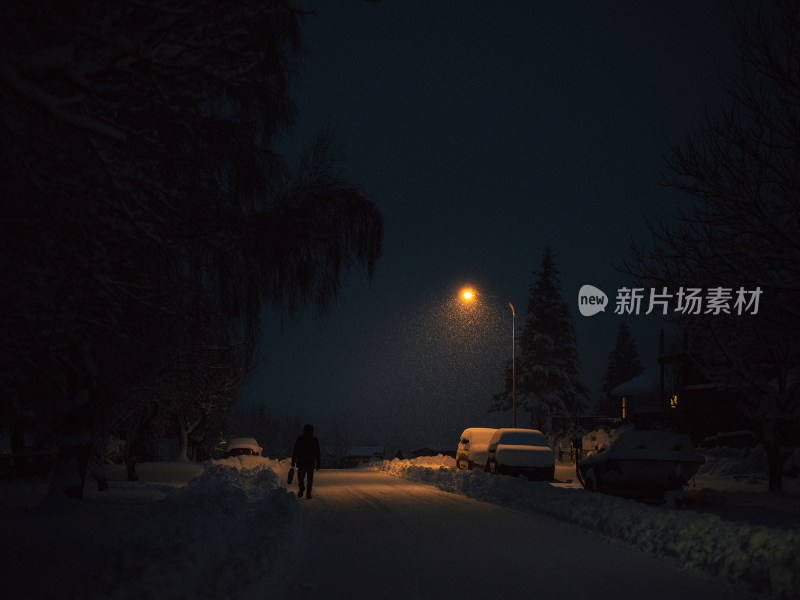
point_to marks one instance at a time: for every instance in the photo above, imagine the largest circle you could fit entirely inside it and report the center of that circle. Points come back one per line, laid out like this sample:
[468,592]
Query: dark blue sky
[483,131]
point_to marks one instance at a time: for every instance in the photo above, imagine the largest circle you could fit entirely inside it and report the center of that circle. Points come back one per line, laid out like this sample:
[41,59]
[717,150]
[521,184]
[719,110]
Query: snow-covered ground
[185,530]
[222,534]
[732,527]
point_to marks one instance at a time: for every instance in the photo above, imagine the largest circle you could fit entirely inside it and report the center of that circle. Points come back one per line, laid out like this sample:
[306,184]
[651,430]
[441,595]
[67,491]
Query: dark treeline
[146,218]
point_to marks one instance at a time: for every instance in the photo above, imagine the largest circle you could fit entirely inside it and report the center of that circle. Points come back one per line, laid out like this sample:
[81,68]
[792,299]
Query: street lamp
[470,294]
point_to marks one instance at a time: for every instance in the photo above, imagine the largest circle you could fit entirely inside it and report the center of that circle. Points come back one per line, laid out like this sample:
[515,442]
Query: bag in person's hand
[291,475]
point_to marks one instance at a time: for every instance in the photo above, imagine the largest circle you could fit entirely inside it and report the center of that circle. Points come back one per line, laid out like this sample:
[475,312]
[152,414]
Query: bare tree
[742,170]
[209,384]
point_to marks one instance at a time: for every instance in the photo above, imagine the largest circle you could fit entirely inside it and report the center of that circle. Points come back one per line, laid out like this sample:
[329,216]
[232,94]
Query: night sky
[484,131]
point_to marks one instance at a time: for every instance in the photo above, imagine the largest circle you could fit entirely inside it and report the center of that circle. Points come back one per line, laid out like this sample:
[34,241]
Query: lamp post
[469,294]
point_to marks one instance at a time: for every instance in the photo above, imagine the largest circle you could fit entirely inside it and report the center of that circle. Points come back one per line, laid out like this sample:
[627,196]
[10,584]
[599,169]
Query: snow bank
[765,560]
[729,462]
[218,535]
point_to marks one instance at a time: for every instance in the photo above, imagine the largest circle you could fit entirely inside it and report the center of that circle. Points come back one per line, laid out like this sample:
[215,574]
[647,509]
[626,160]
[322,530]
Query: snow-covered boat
[642,464]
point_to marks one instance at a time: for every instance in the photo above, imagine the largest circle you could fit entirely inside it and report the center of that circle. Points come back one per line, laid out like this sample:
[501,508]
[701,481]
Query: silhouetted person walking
[306,458]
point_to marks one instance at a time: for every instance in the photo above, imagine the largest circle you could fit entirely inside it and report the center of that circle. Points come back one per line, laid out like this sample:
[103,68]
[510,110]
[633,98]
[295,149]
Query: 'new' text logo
[591,300]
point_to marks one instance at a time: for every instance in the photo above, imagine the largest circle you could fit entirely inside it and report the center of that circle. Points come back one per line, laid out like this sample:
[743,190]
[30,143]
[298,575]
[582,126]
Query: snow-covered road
[366,534]
[398,529]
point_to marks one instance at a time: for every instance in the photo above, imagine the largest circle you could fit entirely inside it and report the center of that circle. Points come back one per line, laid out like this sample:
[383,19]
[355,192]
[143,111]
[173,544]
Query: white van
[521,452]
[472,448]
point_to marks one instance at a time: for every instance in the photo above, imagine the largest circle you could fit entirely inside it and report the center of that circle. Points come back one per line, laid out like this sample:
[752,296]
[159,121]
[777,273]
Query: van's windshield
[522,438]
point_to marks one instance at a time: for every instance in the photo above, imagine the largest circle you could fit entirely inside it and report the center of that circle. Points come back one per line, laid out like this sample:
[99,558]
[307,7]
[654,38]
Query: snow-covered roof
[646,383]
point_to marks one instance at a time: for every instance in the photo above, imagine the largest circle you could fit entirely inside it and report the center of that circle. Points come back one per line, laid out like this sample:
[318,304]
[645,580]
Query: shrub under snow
[198,541]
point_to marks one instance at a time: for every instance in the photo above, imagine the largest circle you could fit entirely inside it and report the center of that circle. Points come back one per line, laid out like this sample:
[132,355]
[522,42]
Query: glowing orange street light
[469,294]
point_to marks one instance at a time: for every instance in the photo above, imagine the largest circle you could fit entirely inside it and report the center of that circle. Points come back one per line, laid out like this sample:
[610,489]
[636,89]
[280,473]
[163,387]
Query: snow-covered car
[243,446]
[473,447]
[520,452]
[641,464]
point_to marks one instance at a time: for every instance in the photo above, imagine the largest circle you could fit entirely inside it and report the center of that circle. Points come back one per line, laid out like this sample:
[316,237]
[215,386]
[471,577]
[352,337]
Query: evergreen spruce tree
[623,365]
[548,364]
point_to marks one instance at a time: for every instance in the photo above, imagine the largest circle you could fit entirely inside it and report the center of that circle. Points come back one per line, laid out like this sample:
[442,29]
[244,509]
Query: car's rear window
[522,438]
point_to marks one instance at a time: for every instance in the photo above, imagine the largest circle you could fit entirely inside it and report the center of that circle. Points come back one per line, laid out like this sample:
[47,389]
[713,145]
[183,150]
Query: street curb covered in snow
[765,560]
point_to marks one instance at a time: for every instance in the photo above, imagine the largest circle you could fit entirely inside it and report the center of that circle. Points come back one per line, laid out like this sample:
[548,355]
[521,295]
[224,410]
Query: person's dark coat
[306,450]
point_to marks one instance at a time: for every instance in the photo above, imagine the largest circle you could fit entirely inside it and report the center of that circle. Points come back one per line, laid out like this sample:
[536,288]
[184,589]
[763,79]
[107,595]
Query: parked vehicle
[520,452]
[243,446]
[641,464]
[473,447]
